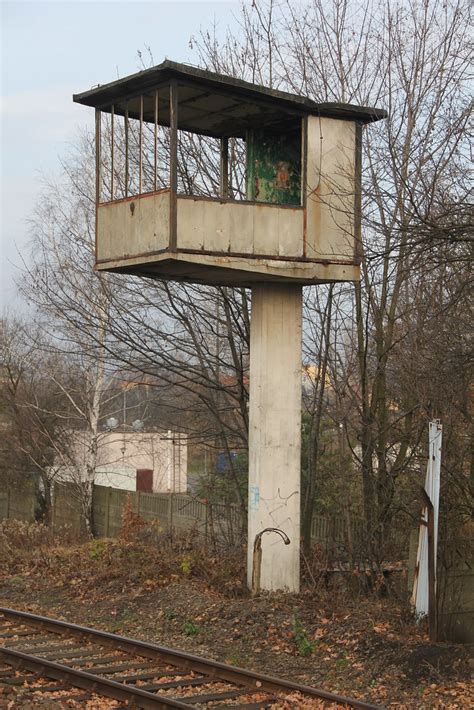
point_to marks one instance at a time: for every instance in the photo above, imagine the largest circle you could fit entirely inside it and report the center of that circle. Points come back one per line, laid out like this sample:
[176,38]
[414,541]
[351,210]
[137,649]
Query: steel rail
[214,670]
[88,681]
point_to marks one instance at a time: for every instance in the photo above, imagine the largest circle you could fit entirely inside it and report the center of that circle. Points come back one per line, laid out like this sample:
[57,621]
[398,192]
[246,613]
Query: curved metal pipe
[257,555]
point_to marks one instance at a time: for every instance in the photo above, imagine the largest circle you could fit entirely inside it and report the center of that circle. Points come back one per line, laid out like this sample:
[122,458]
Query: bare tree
[411,58]
[184,339]
[34,436]
[58,274]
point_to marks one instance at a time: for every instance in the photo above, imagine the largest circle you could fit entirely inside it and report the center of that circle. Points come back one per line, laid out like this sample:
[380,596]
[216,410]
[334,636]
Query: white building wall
[120,454]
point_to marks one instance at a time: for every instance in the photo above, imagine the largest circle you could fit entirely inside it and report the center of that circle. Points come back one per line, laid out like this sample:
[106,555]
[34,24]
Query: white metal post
[420,595]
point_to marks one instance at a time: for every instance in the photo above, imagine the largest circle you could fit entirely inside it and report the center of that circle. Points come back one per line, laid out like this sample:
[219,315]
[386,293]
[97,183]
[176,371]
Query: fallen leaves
[365,647]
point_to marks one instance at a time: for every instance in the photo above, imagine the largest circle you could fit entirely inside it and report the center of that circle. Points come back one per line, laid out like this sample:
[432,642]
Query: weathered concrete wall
[235,271]
[330,177]
[240,227]
[18,502]
[169,510]
[133,226]
[275,432]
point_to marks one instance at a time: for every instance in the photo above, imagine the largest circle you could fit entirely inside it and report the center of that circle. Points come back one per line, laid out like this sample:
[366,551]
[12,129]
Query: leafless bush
[22,541]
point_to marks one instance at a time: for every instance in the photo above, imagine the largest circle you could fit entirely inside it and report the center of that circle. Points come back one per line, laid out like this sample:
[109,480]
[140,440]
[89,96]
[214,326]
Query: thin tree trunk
[315,429]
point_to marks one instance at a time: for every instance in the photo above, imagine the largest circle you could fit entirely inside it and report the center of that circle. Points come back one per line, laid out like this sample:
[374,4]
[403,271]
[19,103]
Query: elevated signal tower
[298,223]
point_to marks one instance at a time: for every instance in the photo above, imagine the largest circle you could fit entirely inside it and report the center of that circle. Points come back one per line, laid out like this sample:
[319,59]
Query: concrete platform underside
[229,270]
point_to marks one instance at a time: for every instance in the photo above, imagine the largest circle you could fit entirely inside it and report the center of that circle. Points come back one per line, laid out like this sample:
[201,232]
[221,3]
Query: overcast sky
[51,50]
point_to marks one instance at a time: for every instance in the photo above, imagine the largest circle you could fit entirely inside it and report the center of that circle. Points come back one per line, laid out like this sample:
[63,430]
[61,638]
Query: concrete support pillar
[275,433]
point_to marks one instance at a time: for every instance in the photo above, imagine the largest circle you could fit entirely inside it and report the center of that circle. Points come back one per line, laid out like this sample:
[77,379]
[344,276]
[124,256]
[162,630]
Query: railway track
[35,650]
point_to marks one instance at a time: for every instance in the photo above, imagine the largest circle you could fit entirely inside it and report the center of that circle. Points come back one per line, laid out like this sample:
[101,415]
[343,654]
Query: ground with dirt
[178,595]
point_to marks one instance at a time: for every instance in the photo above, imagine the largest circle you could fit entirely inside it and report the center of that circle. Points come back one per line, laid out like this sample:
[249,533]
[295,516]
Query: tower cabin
[209,179]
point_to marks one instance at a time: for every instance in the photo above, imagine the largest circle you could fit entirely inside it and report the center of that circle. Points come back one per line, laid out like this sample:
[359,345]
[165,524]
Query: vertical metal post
[432,605]
[173,164]
[432,613]
[249,165]
[98,160]
[257,565]
[304,176]
[112,129]
[224,168]
[125,117]
[155,147]
[140,149]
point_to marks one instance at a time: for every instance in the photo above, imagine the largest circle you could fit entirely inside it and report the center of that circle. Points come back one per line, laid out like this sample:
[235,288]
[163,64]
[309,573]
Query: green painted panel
[274,165]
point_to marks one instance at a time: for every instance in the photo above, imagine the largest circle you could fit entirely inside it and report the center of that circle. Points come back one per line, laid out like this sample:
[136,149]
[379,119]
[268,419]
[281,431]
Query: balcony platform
[218,242]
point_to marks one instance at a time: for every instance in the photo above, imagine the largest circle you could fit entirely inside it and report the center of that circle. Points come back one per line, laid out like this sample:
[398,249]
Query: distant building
[160,458]
[312,374]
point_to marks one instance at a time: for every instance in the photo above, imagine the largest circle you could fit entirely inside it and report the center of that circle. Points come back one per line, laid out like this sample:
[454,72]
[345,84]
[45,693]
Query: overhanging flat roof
[212,104]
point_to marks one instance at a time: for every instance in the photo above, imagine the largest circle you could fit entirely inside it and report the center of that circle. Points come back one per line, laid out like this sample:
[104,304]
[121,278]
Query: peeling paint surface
[274,166]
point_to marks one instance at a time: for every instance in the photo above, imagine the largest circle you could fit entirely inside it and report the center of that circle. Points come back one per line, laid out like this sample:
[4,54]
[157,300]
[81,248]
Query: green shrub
[303,644]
